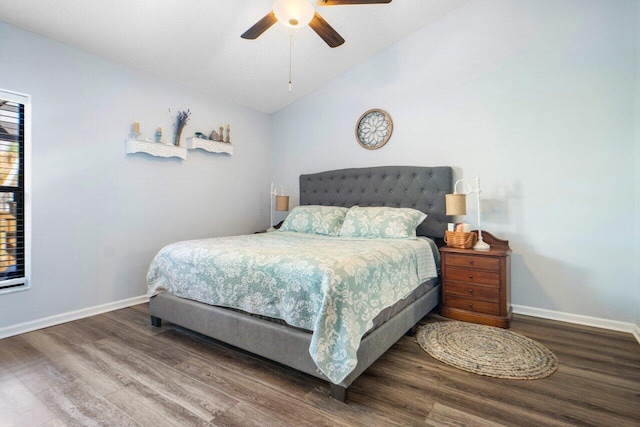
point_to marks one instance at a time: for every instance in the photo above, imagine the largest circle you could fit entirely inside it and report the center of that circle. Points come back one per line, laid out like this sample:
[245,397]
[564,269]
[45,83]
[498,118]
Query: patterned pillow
[315,219]
[375,222]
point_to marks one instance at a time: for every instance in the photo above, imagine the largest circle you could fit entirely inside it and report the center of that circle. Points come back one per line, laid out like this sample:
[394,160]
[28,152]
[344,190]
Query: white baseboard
[636,332]
[45,322]
[578,319]
[613,325]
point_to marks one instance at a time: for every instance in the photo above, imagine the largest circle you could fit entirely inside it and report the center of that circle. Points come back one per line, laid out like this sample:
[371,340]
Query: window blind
[12,193]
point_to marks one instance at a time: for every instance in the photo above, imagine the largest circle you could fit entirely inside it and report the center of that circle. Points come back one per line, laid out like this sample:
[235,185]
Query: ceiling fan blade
[260,27]
[341,2]
[325,31]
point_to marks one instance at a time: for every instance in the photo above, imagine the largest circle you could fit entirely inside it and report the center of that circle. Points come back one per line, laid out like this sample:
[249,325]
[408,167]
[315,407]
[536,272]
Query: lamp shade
[456,204]
[282,203]
[293,13]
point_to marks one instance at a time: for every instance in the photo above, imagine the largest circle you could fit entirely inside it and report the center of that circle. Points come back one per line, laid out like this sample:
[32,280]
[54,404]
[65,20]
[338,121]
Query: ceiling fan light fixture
[293,13]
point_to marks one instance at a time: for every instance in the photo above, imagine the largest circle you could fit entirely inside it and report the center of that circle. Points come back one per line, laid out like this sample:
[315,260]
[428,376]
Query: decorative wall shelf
[208,145]
[157,149]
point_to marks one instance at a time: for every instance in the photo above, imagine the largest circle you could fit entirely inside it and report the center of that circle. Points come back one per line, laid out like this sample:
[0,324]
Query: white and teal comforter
[333,286]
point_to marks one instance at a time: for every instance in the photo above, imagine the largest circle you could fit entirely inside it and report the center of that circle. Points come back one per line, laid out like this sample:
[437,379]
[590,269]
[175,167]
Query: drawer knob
[471,276]
[470,305]
[471,261]
[470,290]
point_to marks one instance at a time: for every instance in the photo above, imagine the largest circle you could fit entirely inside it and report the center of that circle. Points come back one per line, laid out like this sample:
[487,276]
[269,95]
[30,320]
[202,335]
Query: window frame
[22,283]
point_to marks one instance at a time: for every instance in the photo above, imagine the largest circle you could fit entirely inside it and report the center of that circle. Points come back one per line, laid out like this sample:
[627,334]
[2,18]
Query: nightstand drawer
[473,276]
[472,291]
[476,284]
[472,261]
[472,305]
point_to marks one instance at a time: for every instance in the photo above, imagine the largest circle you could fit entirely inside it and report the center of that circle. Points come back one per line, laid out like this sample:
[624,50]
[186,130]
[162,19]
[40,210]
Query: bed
[294,343]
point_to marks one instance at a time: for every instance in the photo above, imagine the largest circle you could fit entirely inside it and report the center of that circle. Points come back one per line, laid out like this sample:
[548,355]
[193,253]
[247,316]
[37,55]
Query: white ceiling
[197,42]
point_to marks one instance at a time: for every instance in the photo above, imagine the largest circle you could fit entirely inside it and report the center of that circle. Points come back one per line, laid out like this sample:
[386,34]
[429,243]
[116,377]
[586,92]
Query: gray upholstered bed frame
[422,188]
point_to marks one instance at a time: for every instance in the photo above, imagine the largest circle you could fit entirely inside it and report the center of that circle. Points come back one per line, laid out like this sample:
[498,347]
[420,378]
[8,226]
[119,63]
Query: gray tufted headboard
[421,188]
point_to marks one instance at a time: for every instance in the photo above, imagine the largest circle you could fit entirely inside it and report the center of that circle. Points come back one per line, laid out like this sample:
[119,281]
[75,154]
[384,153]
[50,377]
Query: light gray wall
[535,96]
[99,215]
[637,169]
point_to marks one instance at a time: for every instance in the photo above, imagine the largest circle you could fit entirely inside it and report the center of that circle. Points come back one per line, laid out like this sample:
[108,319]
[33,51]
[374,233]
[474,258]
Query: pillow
[315,219]
[386,222]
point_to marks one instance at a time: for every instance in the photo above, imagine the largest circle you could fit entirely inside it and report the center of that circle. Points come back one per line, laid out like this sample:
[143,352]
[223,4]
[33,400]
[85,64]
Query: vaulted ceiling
[197,42]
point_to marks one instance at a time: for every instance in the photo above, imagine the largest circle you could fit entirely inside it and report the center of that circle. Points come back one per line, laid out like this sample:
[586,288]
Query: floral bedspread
[333,286]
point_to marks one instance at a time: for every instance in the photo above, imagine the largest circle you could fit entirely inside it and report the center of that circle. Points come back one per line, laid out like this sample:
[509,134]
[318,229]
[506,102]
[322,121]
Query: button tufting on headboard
[420,188]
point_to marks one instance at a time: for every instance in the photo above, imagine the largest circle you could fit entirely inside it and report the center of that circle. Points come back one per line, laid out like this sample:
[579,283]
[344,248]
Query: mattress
[378,321]
[388,312]
[333,286]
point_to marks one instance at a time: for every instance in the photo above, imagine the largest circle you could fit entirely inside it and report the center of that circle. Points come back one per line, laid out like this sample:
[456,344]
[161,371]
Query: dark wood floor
[115,369]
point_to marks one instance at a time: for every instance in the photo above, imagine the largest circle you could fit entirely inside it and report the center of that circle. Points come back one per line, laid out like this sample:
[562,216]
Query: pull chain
[290,57]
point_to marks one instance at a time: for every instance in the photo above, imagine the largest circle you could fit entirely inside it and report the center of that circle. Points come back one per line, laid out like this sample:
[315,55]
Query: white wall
[637,197]
[99,215]
[538,98]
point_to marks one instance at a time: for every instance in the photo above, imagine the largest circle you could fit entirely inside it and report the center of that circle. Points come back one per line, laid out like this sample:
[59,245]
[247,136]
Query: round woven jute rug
[486,350]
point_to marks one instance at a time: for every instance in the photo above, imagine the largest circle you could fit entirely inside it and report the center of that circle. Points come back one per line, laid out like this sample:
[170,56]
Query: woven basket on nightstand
[458,239]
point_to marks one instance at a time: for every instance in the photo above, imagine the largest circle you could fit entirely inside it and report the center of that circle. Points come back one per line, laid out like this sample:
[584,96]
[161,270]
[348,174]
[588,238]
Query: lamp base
[270,229]
[481,245]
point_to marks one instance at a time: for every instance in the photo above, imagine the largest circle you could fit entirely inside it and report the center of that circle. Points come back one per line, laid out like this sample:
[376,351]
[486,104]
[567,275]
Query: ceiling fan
[298,13]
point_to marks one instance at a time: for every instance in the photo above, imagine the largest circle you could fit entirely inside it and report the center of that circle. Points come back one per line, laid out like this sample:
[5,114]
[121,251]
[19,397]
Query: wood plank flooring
[117,370]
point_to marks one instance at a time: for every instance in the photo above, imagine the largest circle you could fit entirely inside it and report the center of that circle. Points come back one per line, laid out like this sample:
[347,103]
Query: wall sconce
[282,203]
[456,204]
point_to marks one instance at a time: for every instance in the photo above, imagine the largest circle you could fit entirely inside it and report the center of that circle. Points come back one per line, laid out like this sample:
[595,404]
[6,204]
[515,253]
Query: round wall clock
[374,129]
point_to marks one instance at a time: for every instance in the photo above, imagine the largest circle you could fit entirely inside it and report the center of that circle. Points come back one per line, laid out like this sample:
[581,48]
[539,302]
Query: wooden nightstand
[476,285]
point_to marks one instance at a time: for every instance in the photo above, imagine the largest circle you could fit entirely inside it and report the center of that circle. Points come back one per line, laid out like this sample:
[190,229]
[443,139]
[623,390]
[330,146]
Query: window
[15,120]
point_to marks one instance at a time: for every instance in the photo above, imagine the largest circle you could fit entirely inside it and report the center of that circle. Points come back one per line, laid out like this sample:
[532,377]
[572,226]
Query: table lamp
[282,203]
[456,204]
